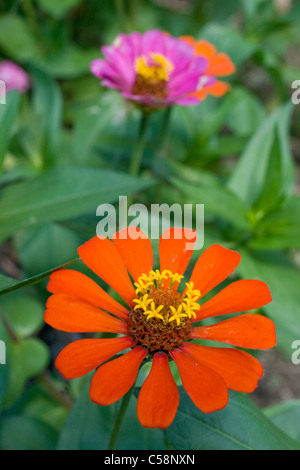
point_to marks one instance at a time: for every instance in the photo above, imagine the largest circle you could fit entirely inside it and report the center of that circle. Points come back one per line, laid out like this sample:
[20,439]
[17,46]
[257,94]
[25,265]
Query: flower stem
[120,7]
[31,15]
[140,146]
[120,418]
[165,129]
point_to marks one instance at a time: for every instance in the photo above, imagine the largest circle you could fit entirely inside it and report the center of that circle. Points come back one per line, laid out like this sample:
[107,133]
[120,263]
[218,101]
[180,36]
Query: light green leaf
[249,177]
[280,230]
[8,114]
[48,106]
[23,313]
[283,281]
[28,358]
[240,426]
[45,246]
[58,8]
[16,38]
[286,416]
[218,201]
[60,194]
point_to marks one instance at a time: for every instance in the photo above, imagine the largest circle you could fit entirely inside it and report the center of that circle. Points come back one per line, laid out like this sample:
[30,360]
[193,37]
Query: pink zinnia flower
[153,69]
[14,77]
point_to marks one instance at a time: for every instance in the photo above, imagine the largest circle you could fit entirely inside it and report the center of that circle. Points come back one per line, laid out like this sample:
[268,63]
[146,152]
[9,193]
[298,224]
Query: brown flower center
[152,76]
[162,317]
[156,335]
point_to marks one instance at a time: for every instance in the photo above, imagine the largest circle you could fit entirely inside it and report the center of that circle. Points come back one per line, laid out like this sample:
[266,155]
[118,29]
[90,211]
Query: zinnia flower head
[159,323]
[14,77]
[154,69]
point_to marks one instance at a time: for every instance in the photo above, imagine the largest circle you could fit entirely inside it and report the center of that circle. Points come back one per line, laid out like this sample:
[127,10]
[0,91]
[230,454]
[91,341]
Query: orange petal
[218,89]
[136,251]
[239,370]
[75,283]
[239,296]
[159,397]
[206,49]
[189,39]
[70,313]
[115,378]
[176,248]
[201,94]
[206,389]
[213,267]
[85,355]
[248,331]
[220,65]
[103,257]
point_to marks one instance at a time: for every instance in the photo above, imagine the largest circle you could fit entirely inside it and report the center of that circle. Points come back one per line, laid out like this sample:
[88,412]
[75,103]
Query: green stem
[165,129]
[121,12]
[30,14]
[140,146]
[120,418]
[14,285]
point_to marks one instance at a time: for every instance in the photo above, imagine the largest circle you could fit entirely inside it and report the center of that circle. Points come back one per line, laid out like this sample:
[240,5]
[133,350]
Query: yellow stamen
[150,287]
[159,70]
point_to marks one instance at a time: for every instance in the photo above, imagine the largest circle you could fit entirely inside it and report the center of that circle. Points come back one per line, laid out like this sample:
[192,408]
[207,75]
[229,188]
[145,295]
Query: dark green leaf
[89,426]
[24,433]
[240,426]
[62,193]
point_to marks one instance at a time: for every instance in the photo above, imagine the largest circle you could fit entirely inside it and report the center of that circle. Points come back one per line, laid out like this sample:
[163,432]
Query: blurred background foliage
[65,148]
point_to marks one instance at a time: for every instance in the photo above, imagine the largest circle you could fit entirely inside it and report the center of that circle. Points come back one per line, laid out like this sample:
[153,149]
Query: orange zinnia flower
[159,323]
[219,65]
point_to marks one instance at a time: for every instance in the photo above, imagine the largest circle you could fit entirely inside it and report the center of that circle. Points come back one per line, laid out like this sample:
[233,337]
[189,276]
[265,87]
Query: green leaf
[247,112]
[88,427]
[71,62]
[6,282]
[16,38]
[62,193]
[8,114]
[23,313]
[3,367]
[58,8]
[279,230]
[48,106]
[286,416]
[28,358]
[250,175]
[45,246]
[283,281]
[217,199]
[240,426]
[24,433]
